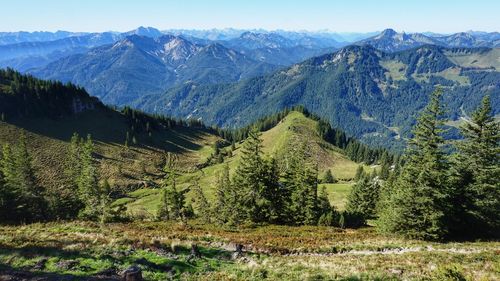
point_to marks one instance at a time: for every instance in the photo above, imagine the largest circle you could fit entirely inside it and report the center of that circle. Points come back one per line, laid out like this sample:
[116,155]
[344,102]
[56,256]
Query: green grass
[395,69]
[272,252]
[490,58]
[337,193]
[294,128]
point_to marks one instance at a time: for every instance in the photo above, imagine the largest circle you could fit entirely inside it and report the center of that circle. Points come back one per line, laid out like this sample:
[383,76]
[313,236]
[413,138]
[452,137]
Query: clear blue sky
[335,15]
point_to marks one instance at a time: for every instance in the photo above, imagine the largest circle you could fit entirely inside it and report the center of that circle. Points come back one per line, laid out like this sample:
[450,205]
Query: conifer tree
[203,207]
[417,206]
[88,188]
[226,208]
[328,177]
[172,204]
[479,166]
[249,180]
[359,173]
[104,207]
[364,196]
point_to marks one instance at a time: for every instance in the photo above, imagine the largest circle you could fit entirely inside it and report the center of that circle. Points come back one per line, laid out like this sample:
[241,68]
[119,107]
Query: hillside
[372,95]
[49,123]
[294,130]
[131,146]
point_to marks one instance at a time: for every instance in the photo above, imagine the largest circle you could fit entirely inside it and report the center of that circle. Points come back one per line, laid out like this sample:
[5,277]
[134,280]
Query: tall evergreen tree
[250,181]
[203,207]
[328,177]
[172,204]
[302,182]
[364,196]
[226,208]
[417,206]
[479,167]
[87,183]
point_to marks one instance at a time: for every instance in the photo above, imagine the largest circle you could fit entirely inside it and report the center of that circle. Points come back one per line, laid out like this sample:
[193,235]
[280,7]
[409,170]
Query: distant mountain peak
[146,31]
[388,32]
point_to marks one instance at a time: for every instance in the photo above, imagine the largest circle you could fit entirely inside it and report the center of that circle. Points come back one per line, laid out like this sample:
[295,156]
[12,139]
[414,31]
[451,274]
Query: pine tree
[364,196]
[226,209]
[479,166]
[88,188]
[34,202]
[417,206]
[304,188]
[104,207]
[172,203]
[359,173]
[249,180]
[203,207]
[328,177]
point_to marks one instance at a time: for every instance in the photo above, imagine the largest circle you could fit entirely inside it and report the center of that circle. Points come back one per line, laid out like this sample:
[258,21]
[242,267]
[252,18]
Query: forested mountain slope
[130,146]
[372,95]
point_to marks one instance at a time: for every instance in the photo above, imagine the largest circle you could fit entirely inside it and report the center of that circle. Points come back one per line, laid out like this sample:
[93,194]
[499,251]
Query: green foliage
[328,177]
[364,196]
[21,199]
[265,190]
[26,96]
[201,203]
[418,204]
[477,167]
[173,202]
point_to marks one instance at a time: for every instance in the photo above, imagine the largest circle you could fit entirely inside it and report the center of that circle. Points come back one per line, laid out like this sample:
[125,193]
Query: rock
[396,271]
[195,252]
[133,273]
[238,253]
[39,265]
[107,272]
[66,264]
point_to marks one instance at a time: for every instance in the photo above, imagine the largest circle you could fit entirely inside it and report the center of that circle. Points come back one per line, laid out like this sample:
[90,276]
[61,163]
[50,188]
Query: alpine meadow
[297,140]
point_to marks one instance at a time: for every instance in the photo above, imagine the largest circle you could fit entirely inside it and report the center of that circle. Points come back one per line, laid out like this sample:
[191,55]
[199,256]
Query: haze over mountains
[370,84]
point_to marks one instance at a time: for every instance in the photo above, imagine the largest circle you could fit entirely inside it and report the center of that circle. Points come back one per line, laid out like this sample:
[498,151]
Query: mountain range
[371,94]
[138,65]
[390,40]
[371,88]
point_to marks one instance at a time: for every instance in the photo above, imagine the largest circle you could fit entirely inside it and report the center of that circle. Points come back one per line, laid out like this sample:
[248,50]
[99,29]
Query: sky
[443,16]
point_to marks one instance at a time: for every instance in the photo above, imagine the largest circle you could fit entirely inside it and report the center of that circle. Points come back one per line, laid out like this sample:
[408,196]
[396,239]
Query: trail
[396,251]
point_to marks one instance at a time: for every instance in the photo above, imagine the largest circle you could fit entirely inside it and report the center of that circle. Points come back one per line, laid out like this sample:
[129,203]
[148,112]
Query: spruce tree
[303,185]
[249,180]
[328,177]
[87,183]
[203,207]
[172,203]
[359,173]
[417,206]
[226,208]
[479,166]
[364,196]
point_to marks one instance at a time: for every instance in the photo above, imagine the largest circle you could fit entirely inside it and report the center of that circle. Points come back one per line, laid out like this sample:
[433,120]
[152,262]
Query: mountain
[26,55]
[373,95]
[392,41]
[36,50]
[276,49]
[138,65]
[144,31]
[7,38]
[470,40]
